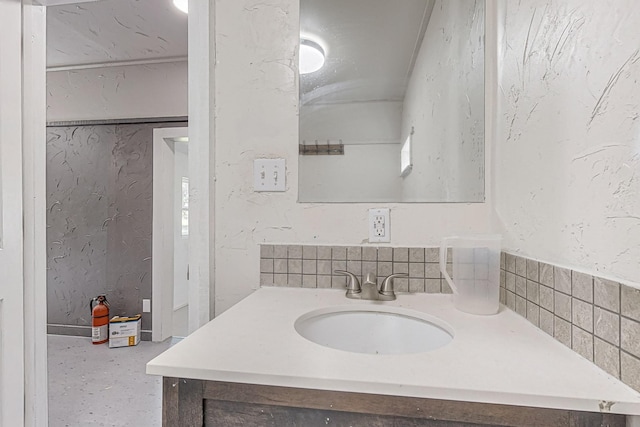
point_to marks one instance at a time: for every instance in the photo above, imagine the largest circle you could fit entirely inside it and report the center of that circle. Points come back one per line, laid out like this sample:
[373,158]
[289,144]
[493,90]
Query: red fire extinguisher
[99,319]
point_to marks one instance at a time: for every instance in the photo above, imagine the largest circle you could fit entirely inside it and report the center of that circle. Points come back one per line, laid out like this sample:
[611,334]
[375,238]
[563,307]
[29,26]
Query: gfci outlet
[379,226]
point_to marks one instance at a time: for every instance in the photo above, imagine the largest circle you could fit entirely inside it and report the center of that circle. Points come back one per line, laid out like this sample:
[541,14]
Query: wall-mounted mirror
[393,71]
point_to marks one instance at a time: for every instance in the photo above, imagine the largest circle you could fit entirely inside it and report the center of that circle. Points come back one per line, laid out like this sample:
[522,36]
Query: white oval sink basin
[367,330]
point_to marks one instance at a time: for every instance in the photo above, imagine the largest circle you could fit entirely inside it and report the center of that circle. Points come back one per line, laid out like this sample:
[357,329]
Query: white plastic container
[476,272]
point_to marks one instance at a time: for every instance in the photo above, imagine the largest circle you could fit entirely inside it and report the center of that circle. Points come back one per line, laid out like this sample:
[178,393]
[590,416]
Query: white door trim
[201,161]
[34,199]
[162,252]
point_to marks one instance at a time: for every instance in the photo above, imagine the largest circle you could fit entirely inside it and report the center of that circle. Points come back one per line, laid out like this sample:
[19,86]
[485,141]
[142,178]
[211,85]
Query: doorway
[170,265]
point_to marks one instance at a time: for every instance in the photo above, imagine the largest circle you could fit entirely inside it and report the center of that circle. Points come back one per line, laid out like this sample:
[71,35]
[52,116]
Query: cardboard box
[124,331]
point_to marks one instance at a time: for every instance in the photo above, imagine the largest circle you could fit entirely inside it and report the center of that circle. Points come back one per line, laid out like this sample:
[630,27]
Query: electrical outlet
[379,226]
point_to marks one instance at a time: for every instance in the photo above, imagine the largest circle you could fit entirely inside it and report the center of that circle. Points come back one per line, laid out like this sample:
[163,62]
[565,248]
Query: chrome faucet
[369,289]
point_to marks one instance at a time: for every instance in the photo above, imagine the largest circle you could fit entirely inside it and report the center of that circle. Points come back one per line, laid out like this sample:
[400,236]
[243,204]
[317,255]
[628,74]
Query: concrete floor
[94,385]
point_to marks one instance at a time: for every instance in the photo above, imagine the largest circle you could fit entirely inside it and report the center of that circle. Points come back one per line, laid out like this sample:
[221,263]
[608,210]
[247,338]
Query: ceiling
[113,31]
[370,44]
[370,47]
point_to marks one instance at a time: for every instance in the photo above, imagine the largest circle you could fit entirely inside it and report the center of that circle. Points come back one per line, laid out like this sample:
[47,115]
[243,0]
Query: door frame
[162,252]
[33,102]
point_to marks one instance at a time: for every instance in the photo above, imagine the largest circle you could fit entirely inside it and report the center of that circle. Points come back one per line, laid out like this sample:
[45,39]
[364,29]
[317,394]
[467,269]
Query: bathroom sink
[373,331]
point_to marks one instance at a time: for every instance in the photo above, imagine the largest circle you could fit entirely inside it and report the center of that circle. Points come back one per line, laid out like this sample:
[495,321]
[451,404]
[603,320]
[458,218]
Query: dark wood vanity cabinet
[189,402]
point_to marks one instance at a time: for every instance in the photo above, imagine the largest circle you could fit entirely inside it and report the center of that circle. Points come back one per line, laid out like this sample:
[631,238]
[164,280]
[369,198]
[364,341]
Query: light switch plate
[269,175]
[379,225]
[146,306]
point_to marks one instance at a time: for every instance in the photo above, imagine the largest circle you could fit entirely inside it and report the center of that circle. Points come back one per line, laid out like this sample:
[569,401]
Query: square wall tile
[546,321]
[280,266]
[416,270]
[339,282]
[582,314]
[510,262]
[562,331]
[416,255]
[385,254]
[294,280]
[309,266]
[630,302]
[323,282]
[354,253]
[546,298]
[280,279]
[309,252]
[384,269]
[294,251]
[401,284]
[323,252]
[510,281]
[630,336]
[606,294]
[323,267]
[562,280]
[266,251]
[401,267]
[533,291]
[521,286]
[266,266]
[562,305]
[400,254]
[369,253]
[607,357]
[521,306]
[309,281]
[503,261]
[533,313]
[339,253]
[266,279]
[606,325]
[582,343]
[511,301]
[355,267]
[417,285]
[431,286]
[431,271]
[532,270]
[521,266]
[630,370]
[338,265]
[280,251]
[582,286]
[369,267]
[546,274]
[432,254]
[295,266]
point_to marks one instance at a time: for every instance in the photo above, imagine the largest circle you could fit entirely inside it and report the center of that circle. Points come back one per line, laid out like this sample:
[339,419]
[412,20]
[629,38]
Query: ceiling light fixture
[311,56]
[183,5]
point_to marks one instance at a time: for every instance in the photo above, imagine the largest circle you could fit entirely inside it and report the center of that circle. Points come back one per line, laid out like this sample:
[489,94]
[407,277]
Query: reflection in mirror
[393,71]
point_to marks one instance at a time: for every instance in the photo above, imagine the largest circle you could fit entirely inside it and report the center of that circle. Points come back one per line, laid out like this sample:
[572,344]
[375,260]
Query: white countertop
[500,359]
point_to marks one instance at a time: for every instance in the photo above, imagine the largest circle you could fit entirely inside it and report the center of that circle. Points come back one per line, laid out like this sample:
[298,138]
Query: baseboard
[83,331]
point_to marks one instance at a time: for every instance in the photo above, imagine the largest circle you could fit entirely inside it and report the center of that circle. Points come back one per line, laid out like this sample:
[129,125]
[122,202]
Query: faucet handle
[353,284]
[387,285]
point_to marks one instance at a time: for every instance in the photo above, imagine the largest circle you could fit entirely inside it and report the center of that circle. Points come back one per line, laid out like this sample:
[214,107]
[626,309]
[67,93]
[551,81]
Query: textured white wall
[365,172]
[568,158]
[256,115]
[370,168]
[136,91]
[445,106]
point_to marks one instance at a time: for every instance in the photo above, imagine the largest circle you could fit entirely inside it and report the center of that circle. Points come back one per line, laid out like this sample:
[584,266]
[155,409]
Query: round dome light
[311,56]
[183,5]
